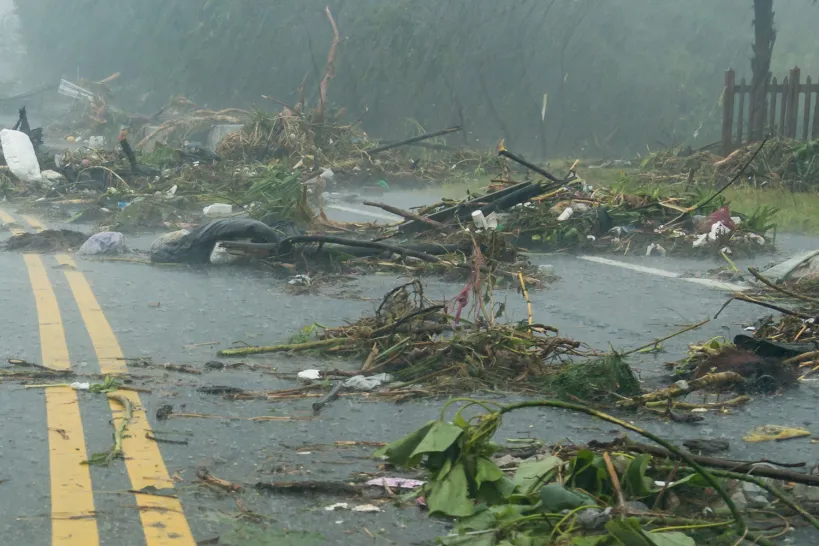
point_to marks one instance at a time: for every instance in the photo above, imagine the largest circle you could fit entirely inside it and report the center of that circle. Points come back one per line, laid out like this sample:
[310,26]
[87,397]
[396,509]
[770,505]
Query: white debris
[301,280]
[222,256]
[756,238]
[362,383]
[218,209]
[717,229]
[566,214]
[701,240]
[337,506]
[80,386]
[366,508]
[50,178]
[591,237]
[20,156]
[654,248]
[309,375]
[107,242]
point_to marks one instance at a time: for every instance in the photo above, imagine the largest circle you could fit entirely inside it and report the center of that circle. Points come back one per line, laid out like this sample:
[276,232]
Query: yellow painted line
[163,519]
[33,222]
[73,520]
[7,218]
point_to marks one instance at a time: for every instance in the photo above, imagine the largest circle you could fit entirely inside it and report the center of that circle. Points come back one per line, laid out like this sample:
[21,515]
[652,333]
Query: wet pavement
[184,315]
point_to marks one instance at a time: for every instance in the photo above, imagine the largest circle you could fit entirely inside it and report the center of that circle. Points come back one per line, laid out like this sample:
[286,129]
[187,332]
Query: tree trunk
[764,38]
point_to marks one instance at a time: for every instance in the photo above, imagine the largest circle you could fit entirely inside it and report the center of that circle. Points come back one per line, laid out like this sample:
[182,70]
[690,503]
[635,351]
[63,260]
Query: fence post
[806,112]
[741,112]
[793,102]
[728,112]
[815,129]
[772,108]
[783,106]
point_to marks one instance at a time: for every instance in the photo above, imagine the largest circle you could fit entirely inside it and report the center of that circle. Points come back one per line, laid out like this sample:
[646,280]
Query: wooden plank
[783,107]
[806,110]
[815,130]
[741,114]
[728,112]
[772,108]
[764,114]
[793,102]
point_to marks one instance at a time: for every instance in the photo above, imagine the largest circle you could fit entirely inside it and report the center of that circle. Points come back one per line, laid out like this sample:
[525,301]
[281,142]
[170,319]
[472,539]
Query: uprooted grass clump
[782,162]
[49,240]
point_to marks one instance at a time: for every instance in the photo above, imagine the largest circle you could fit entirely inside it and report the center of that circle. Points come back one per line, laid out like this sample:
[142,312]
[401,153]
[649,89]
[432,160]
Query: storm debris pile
[781,162]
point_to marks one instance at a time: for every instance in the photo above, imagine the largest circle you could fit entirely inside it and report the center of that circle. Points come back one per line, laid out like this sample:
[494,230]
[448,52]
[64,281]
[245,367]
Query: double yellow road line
[74,521]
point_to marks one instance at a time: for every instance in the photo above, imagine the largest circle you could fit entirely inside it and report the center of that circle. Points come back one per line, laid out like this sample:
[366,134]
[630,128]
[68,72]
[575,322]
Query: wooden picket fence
[787,109]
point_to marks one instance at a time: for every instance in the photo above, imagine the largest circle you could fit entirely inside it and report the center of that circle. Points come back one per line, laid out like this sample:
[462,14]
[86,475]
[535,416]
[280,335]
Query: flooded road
[184,315]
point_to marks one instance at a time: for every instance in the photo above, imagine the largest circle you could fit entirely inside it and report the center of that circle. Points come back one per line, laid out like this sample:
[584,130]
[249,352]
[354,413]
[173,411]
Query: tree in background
[764,38]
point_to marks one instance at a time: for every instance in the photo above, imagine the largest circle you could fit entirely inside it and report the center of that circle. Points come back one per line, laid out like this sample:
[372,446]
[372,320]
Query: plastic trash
[309,375]
[218,209]
[96,141]
[107,242]
[362,383]
[77,386]
[717,229]
[51,178]
[20,157]
[566,214]
[327,175]
[222,256]
[196,246]
[68,89]
[366,508]
[721,215]
[479,220]
[653,249]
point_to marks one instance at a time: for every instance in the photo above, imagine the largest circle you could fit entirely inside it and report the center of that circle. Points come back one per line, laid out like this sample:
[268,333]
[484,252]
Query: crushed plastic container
[221,256]
[20,157]
[218,209]
[107,242]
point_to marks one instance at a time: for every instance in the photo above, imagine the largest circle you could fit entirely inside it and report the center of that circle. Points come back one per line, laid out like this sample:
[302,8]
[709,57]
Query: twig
[772,490]
[329,71]
[783,310]
[542,172]
[758,276]
[675,391]
[666,338]
[526,296]
[332,395]
[257,350]
[368,362]
[615,483]
[165,440]
[714,462]
[288,243]
[333,488]
[741,527]
[405,214]
[801,358]
[204,475]
[412,140]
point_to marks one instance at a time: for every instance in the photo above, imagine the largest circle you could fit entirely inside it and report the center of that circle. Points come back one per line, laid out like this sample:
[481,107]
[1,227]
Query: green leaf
[530,473]
[671,539]
[554,498]
[588,472]
[400,452]
[634,479]
[487,471]
[628,532]
[450,496]
[438,438]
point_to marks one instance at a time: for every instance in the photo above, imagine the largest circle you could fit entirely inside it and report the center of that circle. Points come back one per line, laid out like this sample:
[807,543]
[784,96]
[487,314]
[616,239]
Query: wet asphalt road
[184,315]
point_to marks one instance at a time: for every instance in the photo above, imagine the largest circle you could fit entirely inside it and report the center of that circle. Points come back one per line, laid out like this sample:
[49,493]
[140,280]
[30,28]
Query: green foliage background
[620,74]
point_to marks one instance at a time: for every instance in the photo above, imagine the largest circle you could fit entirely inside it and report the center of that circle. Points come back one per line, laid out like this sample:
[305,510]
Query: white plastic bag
[221,256]
[107,242]
[20,156]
